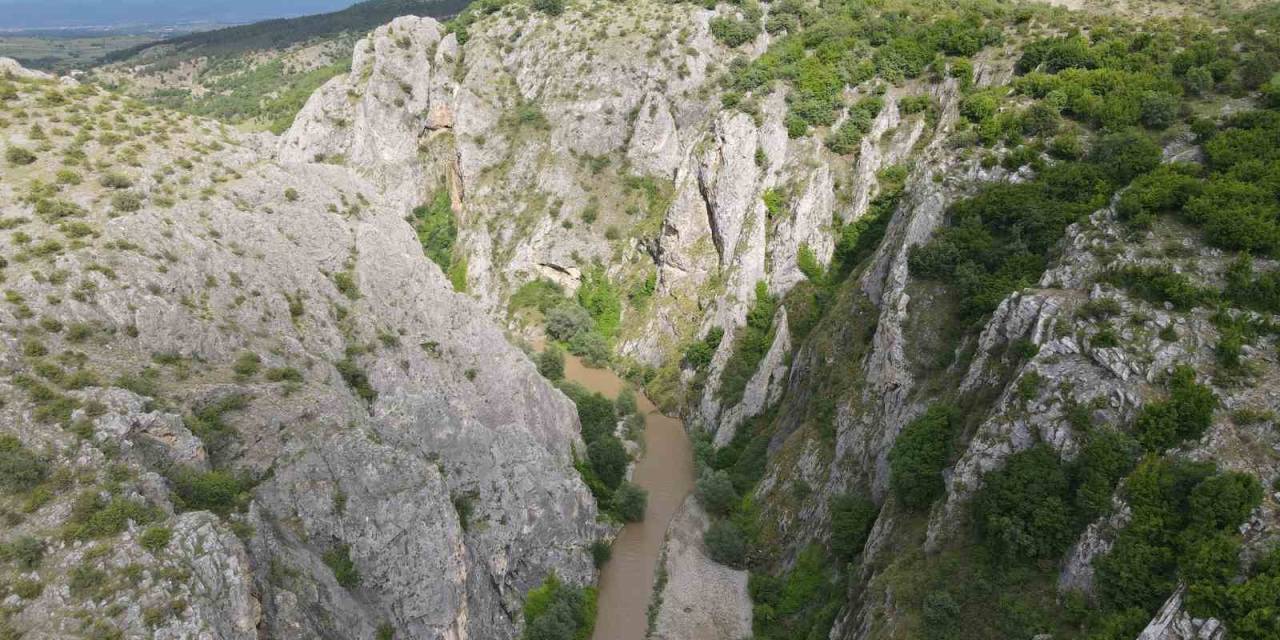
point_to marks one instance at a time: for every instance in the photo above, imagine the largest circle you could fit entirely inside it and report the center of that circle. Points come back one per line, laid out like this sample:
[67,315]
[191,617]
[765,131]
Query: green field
[64,53]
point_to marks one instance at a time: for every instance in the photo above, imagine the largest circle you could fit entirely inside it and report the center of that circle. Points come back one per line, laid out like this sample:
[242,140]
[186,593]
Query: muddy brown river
[665,470]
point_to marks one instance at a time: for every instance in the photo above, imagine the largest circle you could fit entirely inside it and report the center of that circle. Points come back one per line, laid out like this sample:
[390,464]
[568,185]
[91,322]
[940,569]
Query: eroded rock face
[562,150]
[405,467]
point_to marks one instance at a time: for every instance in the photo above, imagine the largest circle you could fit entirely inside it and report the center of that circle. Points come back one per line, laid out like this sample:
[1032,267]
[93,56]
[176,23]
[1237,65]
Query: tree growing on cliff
[919,455]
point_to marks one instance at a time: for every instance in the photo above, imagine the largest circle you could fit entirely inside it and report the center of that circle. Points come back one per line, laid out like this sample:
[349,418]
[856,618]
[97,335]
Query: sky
[46,14]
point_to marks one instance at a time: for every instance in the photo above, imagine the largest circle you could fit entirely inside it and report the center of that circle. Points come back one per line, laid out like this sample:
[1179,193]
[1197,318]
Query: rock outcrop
[266,340]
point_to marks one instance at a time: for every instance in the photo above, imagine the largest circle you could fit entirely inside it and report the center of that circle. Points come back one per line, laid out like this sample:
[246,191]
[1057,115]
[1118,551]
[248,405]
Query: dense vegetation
[268,93]
[826,49]
[583,324]
[750,345]
[604,465]
[1084,119]
[437,230]
[557,611]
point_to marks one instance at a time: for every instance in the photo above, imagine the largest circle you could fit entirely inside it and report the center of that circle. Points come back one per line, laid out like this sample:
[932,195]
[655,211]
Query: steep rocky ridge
[192,326]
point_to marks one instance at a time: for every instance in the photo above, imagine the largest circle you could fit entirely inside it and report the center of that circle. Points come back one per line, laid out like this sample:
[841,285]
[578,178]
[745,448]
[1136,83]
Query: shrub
[1235,214]
[356,379]
[596,413]
[852,517]
[556,611]
[115,181]
[437,232]
[726,543]
[345,281]
[846,138]
[1184,415]
[1160,284]
[155,539]
[625,403]
[551,363]
[591,347]
[207,423]
[26,551]
[283,374]
[1126,154]
[27,588]
[291,194]
[1183,527]
[734,31]
[216,491]
[1164,190]
[1247,607]
[567,320]
[93,516]
[919,455]
[86,581]
[998,241]
[1023,509]
[749,346]
[1260,291]
[1159,109]
[629,502]
[608,459]
[246,364]
[540,294]
[20,468]
[344,569]
[600,298]
[699,353]
[126,201]
[1106,456]
[716,492]
[549,7]
[17,156]
[600,553]
[774,200]
[978,106]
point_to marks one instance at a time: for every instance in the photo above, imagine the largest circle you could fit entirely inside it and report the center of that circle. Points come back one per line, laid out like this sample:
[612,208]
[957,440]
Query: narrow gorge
[613,320]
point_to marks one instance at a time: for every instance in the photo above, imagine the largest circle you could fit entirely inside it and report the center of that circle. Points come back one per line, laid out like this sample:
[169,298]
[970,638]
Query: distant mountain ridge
[44,14]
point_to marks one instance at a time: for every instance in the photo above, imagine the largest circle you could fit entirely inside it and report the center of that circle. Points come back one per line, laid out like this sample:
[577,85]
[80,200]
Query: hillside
[257,75]
[232,394]
[972,311]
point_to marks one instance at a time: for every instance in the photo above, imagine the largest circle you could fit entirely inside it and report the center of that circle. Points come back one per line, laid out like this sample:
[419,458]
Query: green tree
[716,492]
[551,363]
[629,502]
[20,468]
[1126,154]
[919,455]
[1159,109]
[1023,509]
[726,543]
[852,517]
[608,459]
[1184,415]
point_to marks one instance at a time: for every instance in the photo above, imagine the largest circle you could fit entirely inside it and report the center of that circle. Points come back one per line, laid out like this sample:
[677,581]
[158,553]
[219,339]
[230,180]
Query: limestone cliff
[207,329]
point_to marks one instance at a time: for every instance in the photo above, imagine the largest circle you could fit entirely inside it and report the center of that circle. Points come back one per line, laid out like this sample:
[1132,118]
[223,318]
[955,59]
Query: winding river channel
[665,470]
